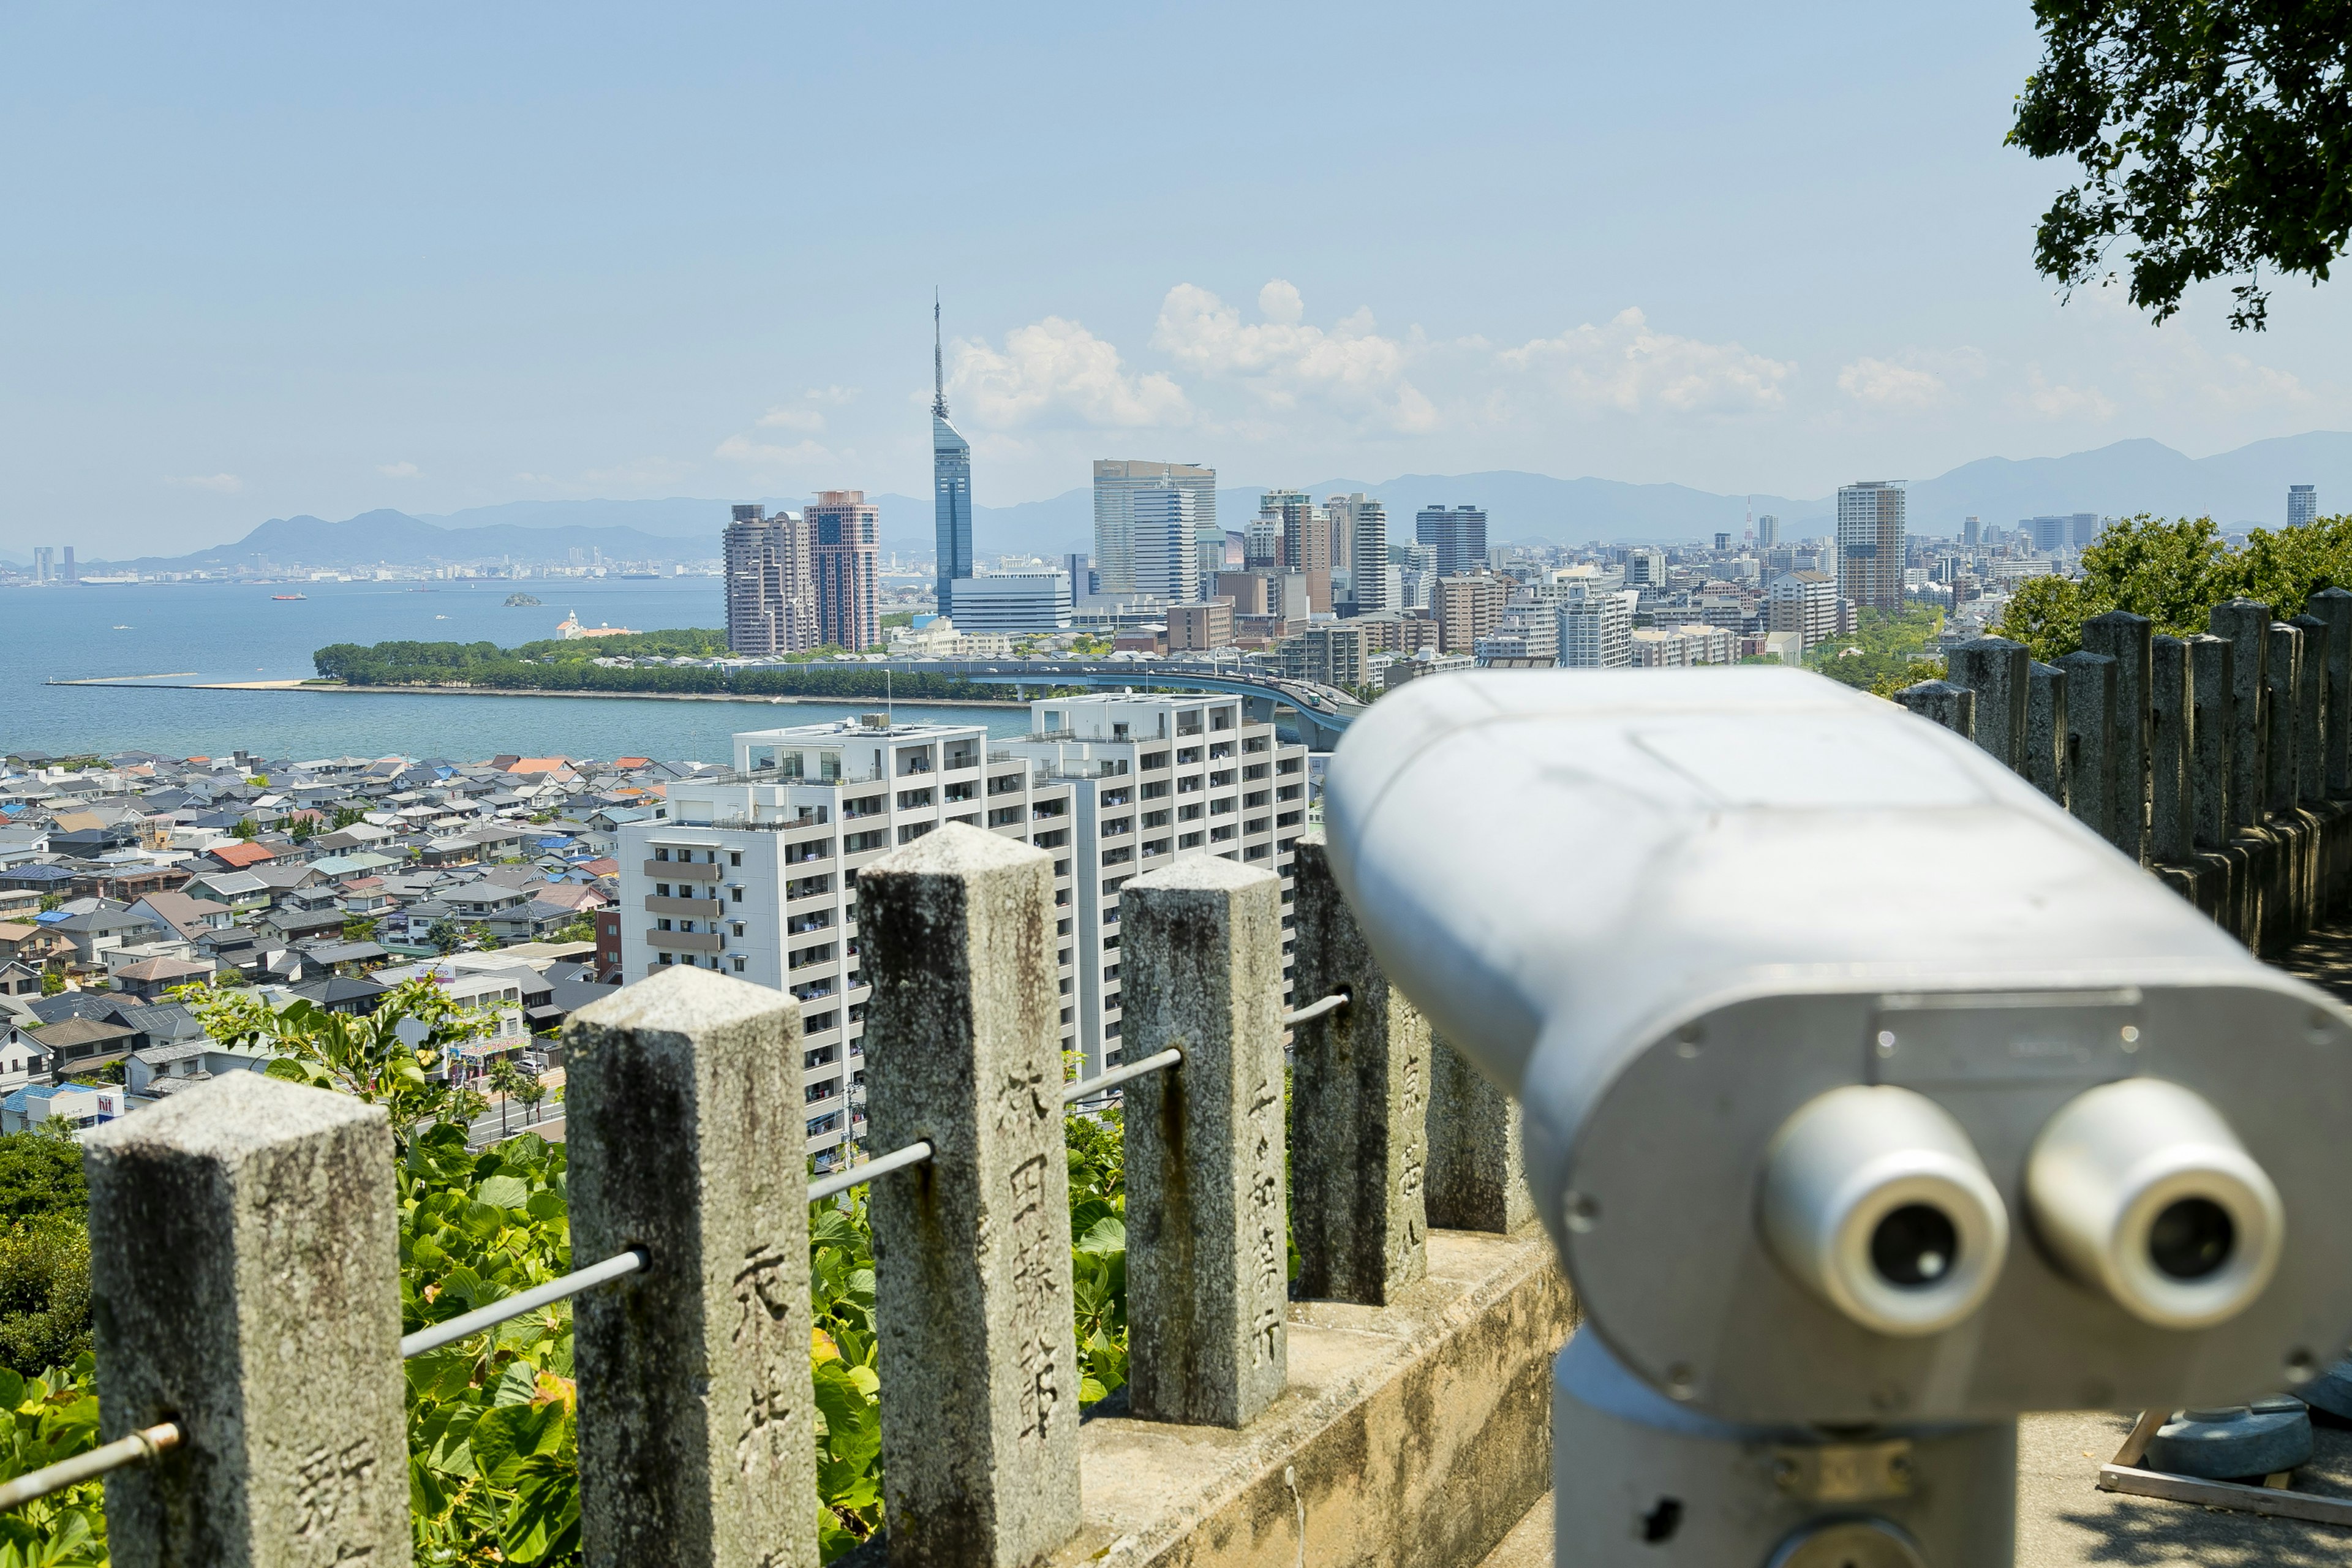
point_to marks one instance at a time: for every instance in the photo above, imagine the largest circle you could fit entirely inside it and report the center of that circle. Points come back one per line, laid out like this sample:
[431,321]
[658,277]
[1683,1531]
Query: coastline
[149,683]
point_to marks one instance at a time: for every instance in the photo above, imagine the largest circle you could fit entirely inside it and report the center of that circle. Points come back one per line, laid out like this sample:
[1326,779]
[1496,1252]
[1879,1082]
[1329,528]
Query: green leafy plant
[43,1420]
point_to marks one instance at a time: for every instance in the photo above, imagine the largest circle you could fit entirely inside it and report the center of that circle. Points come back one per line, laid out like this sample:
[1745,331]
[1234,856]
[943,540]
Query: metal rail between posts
[1313,1010]
[858,1175]
[137,1448]
[1085,1089]
[438,1334]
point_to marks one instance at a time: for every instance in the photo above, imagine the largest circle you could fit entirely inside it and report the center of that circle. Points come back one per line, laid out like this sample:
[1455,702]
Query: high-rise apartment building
[1767,530]
[1596,632]
[1360,552]
[1331,652]
[1262,543]
[846,532]
[1456,537]
[43,555]
[950,484]
[1118,481]
[1306,544]
[2301,507]
[1165,559]
[770,583]
[1805,603]
[1871,544]
[73,571]
[1467,608]
[1971,533]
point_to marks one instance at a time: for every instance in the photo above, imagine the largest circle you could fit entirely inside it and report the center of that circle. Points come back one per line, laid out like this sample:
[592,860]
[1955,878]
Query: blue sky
[263,260]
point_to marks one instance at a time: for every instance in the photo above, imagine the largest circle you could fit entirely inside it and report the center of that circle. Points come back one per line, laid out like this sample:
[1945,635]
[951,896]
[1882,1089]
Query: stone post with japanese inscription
[697,1436]
[1207,1266]
[1359,1105]
[971,1249]
[2171,817]
[2213,732]
[2091,753]
[245,1258]
[2315,716]
[2334,606]
[1995,669]
[2282,700]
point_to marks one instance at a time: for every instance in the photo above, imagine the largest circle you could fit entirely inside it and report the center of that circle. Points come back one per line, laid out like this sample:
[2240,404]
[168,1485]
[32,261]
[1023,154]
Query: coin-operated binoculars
[1871,1100]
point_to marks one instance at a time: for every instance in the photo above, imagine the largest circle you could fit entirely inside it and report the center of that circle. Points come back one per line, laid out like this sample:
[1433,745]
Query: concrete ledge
[1416,1434]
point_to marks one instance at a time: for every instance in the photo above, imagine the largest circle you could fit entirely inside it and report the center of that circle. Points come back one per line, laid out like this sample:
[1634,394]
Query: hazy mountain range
[2239,488]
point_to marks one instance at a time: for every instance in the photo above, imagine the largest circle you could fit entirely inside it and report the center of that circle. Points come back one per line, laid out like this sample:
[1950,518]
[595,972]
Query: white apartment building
[1805,603]
[754,873]
[1152,778]
[1597,632]
[1675,647]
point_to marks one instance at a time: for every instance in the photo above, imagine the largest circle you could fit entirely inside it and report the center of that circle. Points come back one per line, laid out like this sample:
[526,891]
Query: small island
[516,601]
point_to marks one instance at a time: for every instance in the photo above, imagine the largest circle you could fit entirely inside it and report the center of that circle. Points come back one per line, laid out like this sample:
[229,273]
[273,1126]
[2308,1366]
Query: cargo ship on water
[287,599]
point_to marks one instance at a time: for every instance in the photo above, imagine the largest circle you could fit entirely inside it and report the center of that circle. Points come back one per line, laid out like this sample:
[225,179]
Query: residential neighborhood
[124,879]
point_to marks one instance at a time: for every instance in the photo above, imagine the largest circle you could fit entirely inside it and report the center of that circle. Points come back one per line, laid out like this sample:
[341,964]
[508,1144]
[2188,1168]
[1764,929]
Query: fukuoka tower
[951,481]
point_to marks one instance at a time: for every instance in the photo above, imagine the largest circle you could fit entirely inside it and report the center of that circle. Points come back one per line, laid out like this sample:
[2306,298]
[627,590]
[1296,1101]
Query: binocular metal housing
[1862,1084]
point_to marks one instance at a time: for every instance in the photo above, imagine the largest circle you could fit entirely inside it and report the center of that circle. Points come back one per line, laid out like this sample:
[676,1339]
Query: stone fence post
[1995,669]
[2126,638]
[2090,748]
[1941,702]
[2314,717]
[971,1249]
[2213,735]
[1477,1159]
[696,1430]
[2334,606]
[2045,730]
[2246,623]
[244,1256]
[2171,814]
[1207,1280]
[1359,1105]
[2280,703]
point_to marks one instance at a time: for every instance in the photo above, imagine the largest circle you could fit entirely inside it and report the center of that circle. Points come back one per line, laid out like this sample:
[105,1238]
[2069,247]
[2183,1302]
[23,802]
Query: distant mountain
[2237,488]
[395,538]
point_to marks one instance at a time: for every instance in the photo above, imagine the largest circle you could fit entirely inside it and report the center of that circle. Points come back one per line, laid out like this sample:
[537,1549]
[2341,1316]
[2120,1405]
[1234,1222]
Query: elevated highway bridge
[1318,713]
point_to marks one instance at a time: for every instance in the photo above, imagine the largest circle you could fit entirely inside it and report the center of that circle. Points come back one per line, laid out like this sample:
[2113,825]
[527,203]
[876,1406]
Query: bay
[232,631]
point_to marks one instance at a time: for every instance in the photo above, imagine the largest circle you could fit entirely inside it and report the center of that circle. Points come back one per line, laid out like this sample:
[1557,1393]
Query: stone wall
[2221,762]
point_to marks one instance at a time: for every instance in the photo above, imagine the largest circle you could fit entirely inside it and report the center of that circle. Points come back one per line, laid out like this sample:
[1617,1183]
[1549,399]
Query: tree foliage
[40,1175]
[2174,571]
[570,667]
[2214,137]
[1886,650]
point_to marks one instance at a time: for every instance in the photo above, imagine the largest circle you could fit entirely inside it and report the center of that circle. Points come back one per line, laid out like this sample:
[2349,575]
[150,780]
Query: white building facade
[1597,632]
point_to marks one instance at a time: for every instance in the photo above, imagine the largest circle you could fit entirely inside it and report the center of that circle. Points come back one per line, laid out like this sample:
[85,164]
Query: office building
[1360,552]
[1117,484]
[1871,543]
[42,556]
[755,875]
[1305,542]
[1198,628]
[845,535]
[1596,632]
[1080,568]
[770,583]
[2301,507]
[1805,603]
[1466,609]
[950,484]
[1262,543]
[1767,530]
[1645,568]
[73,571]
[1527,634]
[1972,534]
[1014,602]
[1162,523]
[1723,545]
[1456,537]
[2056,535]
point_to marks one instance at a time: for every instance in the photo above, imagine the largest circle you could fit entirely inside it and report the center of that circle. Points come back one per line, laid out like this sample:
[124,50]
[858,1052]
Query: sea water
[223,631]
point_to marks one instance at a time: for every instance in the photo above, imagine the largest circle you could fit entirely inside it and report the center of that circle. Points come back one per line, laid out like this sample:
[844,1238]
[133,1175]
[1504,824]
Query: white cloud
[2051,401]
[219,484]
[400,470]
[1284,361]
[808,414]
[1056,370]
[754,453]
[1628,367]
[1887,384]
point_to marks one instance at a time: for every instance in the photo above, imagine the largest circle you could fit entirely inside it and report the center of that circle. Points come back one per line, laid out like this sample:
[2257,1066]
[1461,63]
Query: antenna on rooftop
[938,363]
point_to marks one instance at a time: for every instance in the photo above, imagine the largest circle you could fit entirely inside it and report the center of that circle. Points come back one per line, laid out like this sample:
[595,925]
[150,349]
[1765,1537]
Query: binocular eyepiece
[1874,1198]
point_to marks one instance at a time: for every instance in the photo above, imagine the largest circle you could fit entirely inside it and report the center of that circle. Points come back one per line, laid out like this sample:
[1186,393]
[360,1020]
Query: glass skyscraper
[951,481]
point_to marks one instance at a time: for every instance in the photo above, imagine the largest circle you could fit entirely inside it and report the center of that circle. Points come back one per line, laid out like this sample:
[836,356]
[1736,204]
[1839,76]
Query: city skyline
[403,334]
